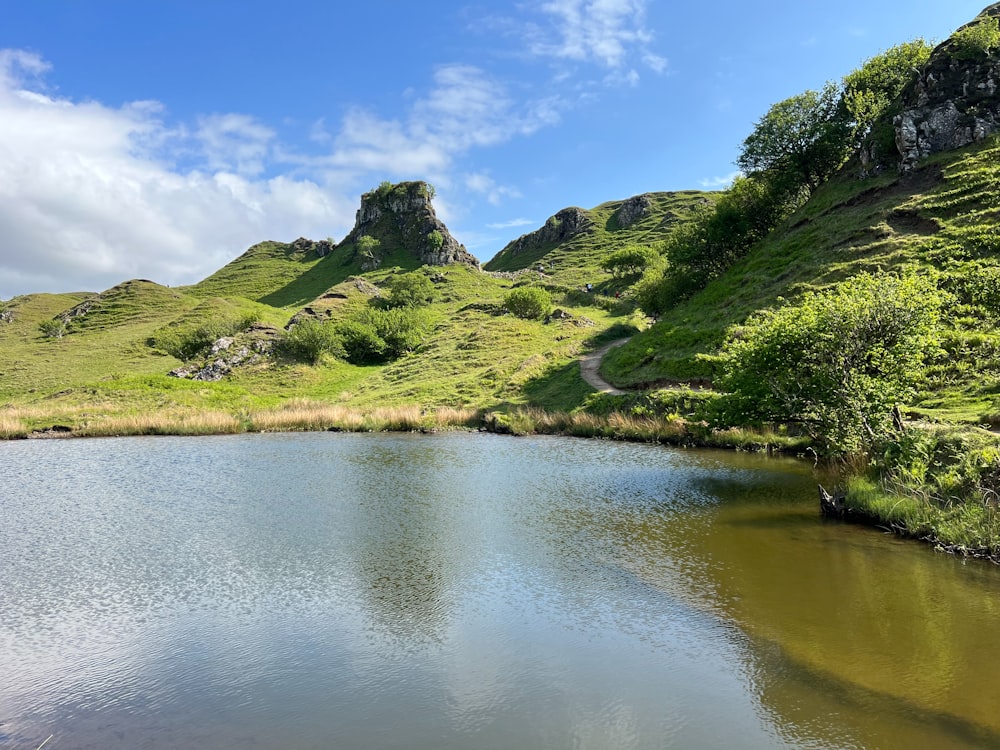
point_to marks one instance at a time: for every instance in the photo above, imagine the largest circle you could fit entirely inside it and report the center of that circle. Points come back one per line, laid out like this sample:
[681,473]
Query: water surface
[451,591]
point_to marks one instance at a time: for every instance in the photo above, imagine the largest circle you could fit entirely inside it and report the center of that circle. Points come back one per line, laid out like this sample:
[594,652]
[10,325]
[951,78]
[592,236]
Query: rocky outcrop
[401,217]
[953,102]
[633,209]
[565,225]
[229,352]
[321,248]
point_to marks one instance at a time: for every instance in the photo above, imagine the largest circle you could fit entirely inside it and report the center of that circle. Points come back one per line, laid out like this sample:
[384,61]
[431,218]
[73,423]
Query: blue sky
[160,139]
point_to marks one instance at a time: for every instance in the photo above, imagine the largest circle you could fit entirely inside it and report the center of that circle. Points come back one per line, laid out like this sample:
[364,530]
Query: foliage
[631,260]
[705,247]
[53,329]
[372,336]
[802,140]
[528,302]
[411,290]
[977,40]
[308,340]
[872,91]
[187,342]
[837,363]
[435,239]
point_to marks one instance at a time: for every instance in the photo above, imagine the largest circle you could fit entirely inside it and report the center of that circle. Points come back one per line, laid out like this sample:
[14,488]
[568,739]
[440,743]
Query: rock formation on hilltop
[401,217]
[953,102]
[564,225]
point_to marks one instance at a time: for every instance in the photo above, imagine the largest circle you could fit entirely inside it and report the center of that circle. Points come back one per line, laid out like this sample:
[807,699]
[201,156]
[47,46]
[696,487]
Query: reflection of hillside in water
[850,638]
[406,554]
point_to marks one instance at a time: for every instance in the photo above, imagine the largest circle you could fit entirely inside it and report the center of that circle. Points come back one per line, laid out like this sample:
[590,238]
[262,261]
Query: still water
[469,591]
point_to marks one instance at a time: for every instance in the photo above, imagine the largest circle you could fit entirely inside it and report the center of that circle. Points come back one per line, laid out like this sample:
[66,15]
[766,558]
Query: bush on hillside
[977,40]
[631,261]
[308,340]
[528,302]
[373,336]
[187,342]
[837,363]
[410,290]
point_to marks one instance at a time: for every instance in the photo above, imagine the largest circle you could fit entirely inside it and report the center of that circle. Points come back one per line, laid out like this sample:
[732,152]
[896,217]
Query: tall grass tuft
[161,423]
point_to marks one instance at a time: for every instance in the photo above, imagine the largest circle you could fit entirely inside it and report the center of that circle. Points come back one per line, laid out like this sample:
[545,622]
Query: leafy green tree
[872,91]
[372,336]
[837,363]
[803,139]
[368,248]
[715,238]
[528,302]
[308,340]
[411,290]
[631,261]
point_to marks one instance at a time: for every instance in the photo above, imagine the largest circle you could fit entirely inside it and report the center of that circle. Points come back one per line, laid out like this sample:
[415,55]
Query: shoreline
[867,503]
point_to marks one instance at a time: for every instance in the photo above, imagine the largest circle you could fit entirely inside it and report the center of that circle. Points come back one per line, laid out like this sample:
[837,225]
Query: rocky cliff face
[401,216]
[564,225]
[953,103]
[633,209]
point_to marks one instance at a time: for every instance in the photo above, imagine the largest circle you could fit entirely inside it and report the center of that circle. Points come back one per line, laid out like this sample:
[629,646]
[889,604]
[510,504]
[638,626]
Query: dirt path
[591,363]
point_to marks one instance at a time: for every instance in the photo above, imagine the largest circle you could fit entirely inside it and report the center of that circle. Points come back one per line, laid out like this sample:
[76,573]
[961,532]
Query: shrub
[837,363]
[976,40]
[308,340]
[53,329]
[631,261]
[411,290]
[528,302]
[374,336]
[187,342]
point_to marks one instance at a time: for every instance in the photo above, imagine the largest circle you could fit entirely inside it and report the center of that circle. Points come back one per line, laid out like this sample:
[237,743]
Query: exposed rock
[401,216]
[222,344]
[321,248]
[633,209]
[78,310]
[951,104]
[227,353]
[566,224]
[6,316]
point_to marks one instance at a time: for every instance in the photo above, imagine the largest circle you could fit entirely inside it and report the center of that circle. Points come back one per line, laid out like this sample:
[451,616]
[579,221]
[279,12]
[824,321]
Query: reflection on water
[312,591]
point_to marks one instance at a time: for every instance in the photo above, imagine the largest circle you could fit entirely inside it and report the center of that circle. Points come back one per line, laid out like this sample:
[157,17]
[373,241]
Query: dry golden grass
[11,426]
[161,423]
[300,414]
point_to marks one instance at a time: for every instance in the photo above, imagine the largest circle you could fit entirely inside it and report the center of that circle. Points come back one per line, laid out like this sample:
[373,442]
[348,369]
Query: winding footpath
[591,363]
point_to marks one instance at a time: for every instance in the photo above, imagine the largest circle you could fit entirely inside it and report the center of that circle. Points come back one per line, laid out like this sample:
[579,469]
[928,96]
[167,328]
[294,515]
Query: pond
[469,591]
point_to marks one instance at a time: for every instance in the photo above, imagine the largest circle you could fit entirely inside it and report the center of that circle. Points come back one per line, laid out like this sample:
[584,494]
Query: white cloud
[520,222]
[715,183]
[85,202]
[608,33]
[91,195]
[486,185]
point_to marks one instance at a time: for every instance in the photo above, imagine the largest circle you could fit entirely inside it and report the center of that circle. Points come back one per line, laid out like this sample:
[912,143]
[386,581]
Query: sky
[160,139]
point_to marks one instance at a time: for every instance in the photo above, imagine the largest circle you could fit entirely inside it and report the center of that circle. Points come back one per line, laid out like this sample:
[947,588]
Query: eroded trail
[591,364]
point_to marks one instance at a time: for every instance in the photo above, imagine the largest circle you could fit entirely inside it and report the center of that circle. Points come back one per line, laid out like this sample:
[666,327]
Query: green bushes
[411,290]
[309,340]
[187,342]
[977,40]
[370,336]
[631,261]
[837,363]
[528,302]
[53,329]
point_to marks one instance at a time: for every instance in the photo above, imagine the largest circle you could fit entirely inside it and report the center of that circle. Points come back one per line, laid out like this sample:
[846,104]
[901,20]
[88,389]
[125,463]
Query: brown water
[319,590]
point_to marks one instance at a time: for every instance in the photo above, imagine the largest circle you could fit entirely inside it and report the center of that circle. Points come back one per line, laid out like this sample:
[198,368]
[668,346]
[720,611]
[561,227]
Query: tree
[53,329]
[528,302]
[837,363]
[872,91]
[308,340]
[410,290]
[803,139]
[630,261]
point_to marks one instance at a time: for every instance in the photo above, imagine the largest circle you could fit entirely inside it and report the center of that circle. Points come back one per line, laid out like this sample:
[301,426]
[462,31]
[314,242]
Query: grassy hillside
[572,260]
[941,220]
[115,349]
